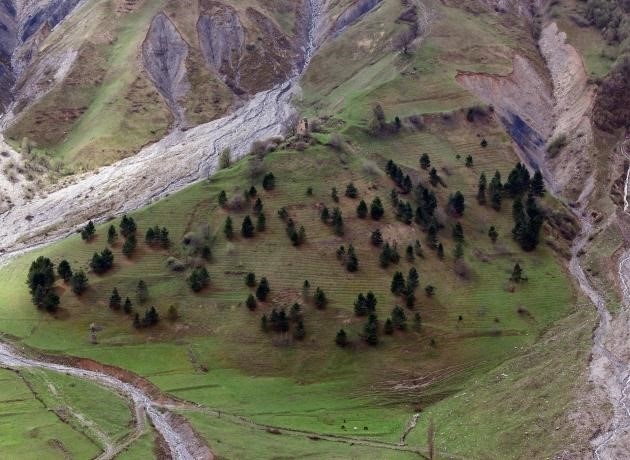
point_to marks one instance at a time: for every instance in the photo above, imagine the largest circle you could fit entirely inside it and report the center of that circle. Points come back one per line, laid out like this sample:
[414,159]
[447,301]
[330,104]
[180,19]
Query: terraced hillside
[478,360]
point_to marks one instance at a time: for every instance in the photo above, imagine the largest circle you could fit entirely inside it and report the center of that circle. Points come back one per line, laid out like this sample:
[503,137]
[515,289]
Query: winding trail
[143,403]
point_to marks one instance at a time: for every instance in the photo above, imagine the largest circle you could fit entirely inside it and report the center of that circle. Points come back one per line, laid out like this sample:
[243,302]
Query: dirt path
[174,435]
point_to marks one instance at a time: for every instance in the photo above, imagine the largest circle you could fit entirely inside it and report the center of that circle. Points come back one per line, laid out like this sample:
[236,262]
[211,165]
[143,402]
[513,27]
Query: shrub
[556,146]
[269,181]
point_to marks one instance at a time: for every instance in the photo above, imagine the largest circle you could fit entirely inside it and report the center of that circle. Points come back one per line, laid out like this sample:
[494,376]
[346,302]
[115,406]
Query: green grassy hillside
[494,363]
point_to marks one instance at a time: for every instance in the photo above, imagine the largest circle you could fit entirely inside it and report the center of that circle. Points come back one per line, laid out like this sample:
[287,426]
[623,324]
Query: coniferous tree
[222,198]
[142,291]
[425,161]
[334,195]
[41,276]
[250,303]
[492,233]
[112,235]
[250,279]
[258,207]
[228,229]
[64,270]
[247,228]
[432,236]
[269,181]
[398,284]
[264,323]
[263,289]
[481,189]
[417,248]
[433,177]
[351,191]
[337,221]
[376,209]
[409,253]
[496,189]
[537,185]
[199,278]
[440,251]
[458,233]
[324,215]
[376,238]
[127,226]
[429,290]
[320,298]
[130,245]
[360,308]
[469,161]
[115,301]
[370,302]
[518,181]
[370,330]
[352,261]
[517,274]
[79,282]
[300,331]
[385,257]
[88,232]
[362,210]
[413,280]
[456,204]
[341,339]
[399,318]
[128,306]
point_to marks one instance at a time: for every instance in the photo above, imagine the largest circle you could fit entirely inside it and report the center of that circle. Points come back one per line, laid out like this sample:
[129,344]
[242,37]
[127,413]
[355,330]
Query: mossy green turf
[30,430]
[218,356]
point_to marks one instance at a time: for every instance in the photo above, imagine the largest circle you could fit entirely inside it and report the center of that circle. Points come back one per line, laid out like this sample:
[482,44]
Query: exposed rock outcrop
[164,53]
[535,114]
[352,14]
[8,38]
[221,38]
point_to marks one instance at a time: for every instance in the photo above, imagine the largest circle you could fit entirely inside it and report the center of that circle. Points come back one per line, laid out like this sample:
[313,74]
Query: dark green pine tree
[362,210]
[481,189]
[440,251]
[320,298]
[388,328]
[341,339]
[458,233]
[112,235]
[258,207]
[360,307]
[250,279]
[399,318]
[263,289]
[517,274]
[222,198]
[64,270]
[376,238]
[352,261]
[351,191]
[250,303]
[376,209]
[398,283]
[115,301]
[247,228]
[300,331]
[493,234]
[370,330]
[337,221]
[425,161]
[228,228]
[537,184]
[128,306]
